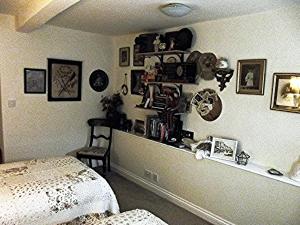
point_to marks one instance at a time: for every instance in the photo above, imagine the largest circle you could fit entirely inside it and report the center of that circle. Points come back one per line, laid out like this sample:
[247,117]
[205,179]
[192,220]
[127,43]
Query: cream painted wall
[36,127]
[271,137]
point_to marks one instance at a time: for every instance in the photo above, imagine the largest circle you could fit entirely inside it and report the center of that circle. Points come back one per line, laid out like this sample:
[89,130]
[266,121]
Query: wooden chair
[94,152]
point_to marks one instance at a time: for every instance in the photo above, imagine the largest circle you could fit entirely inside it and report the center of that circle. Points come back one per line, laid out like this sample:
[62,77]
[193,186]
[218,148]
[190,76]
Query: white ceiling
[117,17]
[12,7]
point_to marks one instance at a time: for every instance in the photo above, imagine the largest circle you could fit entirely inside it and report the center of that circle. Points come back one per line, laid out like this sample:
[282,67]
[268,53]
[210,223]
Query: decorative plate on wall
[208,104]
[99,80]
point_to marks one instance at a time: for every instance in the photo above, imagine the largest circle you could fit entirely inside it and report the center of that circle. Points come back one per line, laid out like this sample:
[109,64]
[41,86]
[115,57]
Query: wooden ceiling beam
[38,12]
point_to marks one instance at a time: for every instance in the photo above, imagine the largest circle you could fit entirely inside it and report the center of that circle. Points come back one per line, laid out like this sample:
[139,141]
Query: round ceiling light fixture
[175,9]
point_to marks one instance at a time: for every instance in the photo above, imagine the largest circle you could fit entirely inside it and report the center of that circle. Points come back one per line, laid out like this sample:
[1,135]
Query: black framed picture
[138,86]
[124,56]
[138,60]
[251,76]
[34,81]
[64,80]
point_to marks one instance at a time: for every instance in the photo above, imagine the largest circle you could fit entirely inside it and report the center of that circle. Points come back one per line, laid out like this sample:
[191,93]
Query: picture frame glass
[138,86]
[251,76]
[223,149]
[284,96]
[34,81]
[124,56]
[64,80]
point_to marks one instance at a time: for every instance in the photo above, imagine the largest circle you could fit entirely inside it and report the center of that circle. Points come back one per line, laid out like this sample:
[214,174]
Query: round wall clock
[99,80]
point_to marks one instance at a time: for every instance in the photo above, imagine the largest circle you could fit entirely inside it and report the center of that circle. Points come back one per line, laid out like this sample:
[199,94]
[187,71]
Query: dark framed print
[251,76]
[64,80]
[138,60]
[34,81]
[286,92]
[124,56]
[138,86]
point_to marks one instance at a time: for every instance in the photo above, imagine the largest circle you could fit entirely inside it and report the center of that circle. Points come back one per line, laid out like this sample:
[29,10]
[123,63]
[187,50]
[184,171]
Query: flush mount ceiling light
[175,9]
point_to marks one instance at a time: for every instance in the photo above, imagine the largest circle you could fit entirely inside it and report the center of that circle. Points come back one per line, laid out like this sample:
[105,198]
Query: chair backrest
[97,122]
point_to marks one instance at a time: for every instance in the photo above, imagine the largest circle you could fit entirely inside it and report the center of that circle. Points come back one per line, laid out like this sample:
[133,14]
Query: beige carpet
[131,196]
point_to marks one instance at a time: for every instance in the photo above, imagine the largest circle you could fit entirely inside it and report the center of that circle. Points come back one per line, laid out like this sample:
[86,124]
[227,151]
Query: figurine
[156,43]
[295,171]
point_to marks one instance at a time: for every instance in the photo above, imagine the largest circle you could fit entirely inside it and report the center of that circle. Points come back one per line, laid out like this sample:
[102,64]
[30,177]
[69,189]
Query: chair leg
[108,162]
[90,162]
[104,165]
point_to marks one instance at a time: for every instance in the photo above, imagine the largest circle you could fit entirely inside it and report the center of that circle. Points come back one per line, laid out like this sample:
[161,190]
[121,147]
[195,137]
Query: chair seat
[92,151]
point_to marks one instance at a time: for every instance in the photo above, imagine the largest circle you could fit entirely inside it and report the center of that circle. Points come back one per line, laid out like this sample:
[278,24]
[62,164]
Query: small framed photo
[34,81]
[138,60]
[251,76]
[223,149]
[286,92]
[124,56]
[64,80]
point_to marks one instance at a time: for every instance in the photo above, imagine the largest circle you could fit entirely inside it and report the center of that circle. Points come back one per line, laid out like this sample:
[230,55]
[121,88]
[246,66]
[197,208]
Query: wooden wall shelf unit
[161,54]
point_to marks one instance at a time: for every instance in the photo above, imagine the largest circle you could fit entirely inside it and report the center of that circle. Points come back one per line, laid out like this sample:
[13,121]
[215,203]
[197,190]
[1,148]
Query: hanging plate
[207,62]
[208,104]
[99,80]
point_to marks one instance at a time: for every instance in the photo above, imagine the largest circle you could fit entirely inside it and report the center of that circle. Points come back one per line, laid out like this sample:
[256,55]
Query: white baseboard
[191,207]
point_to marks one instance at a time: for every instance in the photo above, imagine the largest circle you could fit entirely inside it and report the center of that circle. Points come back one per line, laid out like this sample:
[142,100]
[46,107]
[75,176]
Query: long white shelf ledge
[250,167]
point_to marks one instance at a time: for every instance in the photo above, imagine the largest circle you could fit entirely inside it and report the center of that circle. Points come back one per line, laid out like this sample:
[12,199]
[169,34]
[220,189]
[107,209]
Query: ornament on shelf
[242,158]
[295,171]
[223,76]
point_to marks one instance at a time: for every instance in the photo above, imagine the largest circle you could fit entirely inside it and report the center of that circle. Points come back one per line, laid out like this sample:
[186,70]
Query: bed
[133,217]
[52,191]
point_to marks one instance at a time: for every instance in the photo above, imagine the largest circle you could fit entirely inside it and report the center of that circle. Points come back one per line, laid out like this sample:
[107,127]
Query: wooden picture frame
[251,76]
[222,148]
[64,80]
[124,56]
[284,98]
[34,81]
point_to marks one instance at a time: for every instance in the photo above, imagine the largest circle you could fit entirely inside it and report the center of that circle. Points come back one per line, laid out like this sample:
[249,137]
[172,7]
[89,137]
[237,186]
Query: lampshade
[175,9]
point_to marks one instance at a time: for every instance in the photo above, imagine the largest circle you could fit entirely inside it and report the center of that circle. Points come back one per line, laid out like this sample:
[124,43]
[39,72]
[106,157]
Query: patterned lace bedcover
[133,217]
[52,191]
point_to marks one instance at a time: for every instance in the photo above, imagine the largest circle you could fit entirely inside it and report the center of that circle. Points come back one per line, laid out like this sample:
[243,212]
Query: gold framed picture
[286,92]
[251,76]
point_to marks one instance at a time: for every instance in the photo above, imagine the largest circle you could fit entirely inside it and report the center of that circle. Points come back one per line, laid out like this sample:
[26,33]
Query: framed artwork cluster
[251,75]
[64,80]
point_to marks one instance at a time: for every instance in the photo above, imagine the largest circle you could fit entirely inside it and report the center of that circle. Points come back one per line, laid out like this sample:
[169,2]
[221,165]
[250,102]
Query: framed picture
[138,60]
[223,148]
[34,81]
[286,92]
[138,86]
[64,80]
[251,76]
[124,56]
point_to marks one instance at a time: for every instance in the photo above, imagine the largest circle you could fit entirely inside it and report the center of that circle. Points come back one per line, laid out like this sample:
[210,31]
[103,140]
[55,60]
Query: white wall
[36,127]
[270,137]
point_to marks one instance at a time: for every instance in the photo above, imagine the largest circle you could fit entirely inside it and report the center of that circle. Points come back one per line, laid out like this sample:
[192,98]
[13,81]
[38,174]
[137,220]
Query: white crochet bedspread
[133,217]
[52,191]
